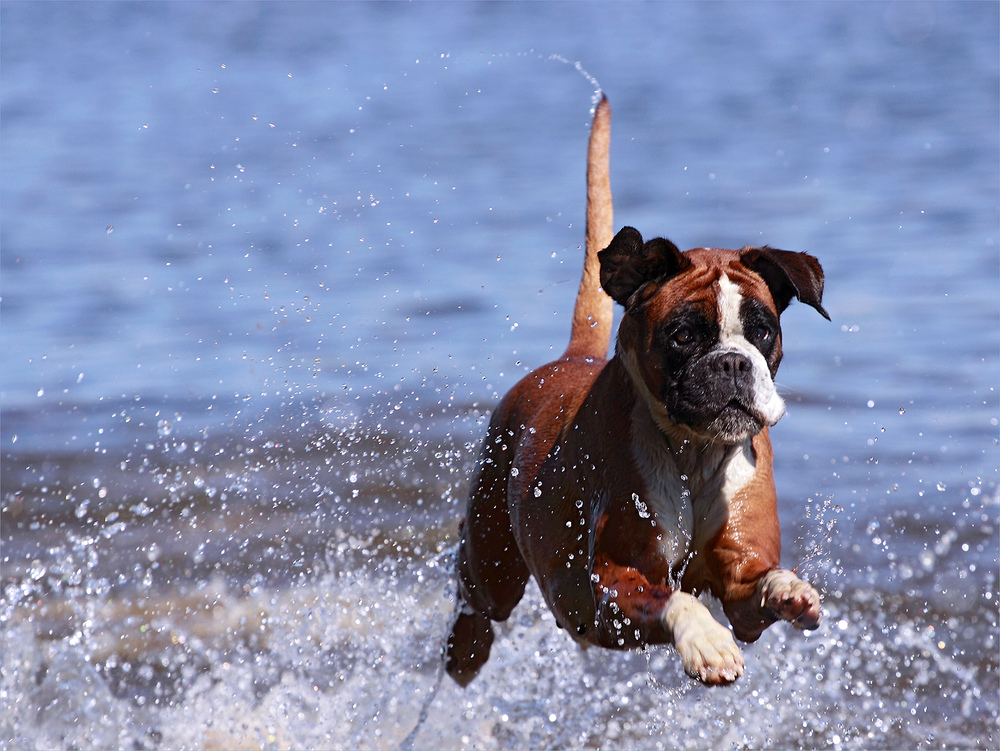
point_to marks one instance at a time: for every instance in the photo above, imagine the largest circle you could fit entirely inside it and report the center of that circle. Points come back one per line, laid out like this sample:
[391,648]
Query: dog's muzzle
[717,396]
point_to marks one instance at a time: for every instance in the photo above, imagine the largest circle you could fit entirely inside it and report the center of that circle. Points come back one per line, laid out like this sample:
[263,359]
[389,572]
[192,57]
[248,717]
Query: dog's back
[493,573]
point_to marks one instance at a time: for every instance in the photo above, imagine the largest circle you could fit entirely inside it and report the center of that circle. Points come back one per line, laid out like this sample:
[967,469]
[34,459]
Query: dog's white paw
[707,648]
[790,599]
[711,655]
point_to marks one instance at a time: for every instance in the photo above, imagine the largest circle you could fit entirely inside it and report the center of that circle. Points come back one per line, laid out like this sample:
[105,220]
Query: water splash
[598,92]
[341,646]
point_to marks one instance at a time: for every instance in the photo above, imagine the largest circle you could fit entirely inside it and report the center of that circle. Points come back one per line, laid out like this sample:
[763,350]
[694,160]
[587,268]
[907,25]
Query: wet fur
[589,481]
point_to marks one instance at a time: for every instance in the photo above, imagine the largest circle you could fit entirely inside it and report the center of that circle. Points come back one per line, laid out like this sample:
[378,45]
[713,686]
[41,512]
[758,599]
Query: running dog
[628,487]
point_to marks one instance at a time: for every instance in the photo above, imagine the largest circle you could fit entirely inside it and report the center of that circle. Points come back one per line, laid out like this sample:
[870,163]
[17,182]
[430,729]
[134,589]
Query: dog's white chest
[668,502]
[666,497]
[687,496]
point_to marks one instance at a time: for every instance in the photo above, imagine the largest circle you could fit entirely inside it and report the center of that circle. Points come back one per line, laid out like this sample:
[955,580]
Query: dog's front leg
[779,595]
[707,648]
[745,559]
[789,598]
[632,612]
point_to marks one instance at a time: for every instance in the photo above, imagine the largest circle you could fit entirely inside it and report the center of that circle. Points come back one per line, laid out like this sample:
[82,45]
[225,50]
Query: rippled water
[267,268]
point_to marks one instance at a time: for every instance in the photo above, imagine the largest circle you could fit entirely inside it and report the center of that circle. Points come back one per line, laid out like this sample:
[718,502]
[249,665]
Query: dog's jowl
[628,487]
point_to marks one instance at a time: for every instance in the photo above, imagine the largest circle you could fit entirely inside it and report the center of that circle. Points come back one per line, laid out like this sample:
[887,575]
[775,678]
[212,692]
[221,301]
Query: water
[267,268]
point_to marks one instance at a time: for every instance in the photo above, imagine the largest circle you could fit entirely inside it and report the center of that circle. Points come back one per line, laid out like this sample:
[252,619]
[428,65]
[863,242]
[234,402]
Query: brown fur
[559,488]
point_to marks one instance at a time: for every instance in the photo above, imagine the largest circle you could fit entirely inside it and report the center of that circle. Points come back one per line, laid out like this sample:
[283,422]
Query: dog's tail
[592,316]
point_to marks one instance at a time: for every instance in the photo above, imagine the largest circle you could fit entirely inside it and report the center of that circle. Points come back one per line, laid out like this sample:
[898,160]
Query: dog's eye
[762,333]
[684,336]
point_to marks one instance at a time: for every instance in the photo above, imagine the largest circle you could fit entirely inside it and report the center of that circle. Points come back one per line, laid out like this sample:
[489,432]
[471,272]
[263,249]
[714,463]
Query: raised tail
[592,315]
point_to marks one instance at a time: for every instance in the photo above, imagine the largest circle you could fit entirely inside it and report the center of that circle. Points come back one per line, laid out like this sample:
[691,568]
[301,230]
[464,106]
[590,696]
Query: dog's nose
[734,364]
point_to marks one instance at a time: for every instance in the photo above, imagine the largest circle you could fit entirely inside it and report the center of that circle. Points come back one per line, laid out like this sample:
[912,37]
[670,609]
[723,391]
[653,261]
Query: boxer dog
[628,487]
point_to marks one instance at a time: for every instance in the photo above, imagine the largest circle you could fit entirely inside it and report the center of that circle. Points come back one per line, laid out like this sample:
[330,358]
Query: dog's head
[700,336]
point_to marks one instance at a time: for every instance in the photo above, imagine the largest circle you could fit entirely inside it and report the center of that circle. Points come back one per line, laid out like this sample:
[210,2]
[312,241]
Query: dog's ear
[787,275]
[628,263]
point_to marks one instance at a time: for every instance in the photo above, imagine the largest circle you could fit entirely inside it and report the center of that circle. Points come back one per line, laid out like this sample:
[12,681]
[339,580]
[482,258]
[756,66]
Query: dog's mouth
[738,405]
[732,423]
[735,422]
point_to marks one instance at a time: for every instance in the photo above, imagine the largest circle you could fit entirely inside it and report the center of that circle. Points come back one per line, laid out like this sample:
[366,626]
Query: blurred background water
[267,267]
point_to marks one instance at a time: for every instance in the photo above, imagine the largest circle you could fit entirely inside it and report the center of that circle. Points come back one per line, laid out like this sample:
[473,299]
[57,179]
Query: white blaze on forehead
[730,324]
[731,339]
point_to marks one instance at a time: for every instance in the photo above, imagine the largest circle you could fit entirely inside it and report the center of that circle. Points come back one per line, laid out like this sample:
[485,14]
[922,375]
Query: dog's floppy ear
[788,274]
[628,263]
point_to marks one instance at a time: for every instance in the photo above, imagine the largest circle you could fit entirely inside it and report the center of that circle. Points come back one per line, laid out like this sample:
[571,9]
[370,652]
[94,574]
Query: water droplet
[640,507]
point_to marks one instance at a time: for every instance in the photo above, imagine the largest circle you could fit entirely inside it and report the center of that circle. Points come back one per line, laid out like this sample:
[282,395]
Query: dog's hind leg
[490,572]
[469,644]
